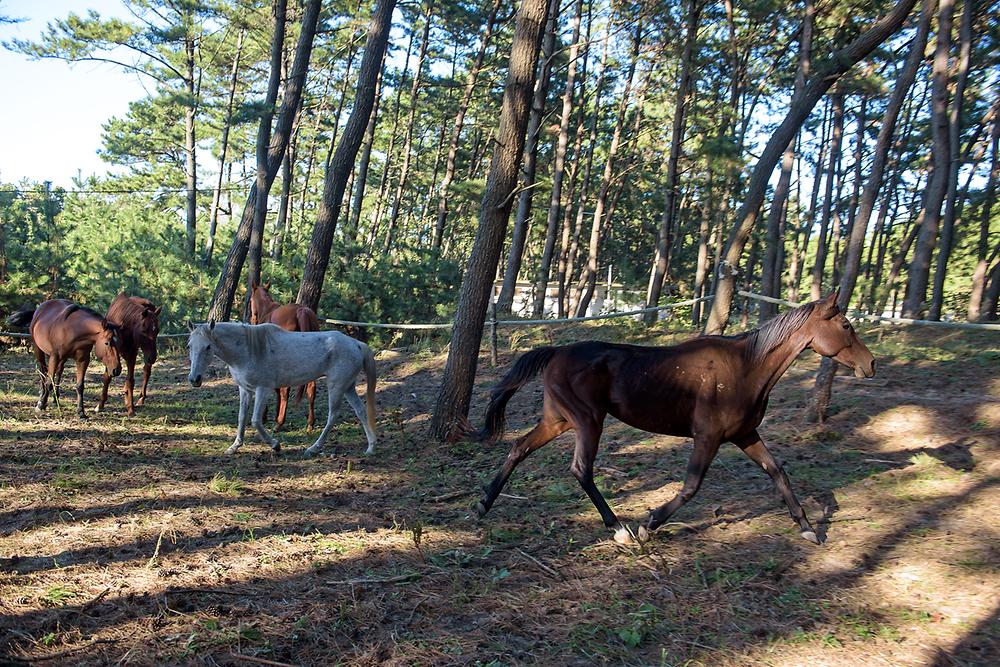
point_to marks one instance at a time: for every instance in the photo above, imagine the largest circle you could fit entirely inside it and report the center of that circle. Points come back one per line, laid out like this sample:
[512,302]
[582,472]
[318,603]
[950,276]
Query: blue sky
[53,111]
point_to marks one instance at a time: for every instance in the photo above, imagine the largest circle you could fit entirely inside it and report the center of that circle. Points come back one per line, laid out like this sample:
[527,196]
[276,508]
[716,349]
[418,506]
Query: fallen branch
[449,496]
[542,565]
[377,580]
[261,661]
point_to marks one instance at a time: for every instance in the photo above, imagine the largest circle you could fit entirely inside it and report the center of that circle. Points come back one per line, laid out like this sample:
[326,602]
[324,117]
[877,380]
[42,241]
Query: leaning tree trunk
[659,269]
[225,289]
[335,183]
[452,405]
[839,63]
[770,277]
[256,250]
[361,180]
[920,266]
[505,300]
[190,147]
[952,204]
[558,171]
[829,198]
[855,244]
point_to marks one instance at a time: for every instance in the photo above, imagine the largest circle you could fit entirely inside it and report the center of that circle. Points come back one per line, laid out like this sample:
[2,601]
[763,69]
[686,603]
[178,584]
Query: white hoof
[233,448]
[370,450]
[811,536]
[642,535]
[623,536]
[311,451]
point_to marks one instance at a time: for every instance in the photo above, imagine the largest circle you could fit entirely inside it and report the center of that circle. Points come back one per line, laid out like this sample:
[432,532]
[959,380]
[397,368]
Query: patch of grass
[58,596]
[226,486]
[74,477]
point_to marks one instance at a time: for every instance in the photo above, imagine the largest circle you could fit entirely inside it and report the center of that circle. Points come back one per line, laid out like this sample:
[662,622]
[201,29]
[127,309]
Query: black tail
[525,368]
[22,317]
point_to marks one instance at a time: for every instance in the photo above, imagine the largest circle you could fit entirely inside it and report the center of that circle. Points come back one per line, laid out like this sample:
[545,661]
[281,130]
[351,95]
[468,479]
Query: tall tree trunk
[361,179]
[974,311]
[224,149]
[190,140]
[452,405]
[335,183]
[225,289]
[951,204]
[558,171]
[456,131]
[807,226]
[505,300]
[919,272]
[830,202]
[263,144]
[839,63]
[588,277]
[404,170]
[852,263]
[770,273]
[659,268]
[899,261]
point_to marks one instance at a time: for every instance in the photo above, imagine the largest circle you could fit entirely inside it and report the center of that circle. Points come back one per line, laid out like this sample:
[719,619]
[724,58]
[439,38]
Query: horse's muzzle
[862,372]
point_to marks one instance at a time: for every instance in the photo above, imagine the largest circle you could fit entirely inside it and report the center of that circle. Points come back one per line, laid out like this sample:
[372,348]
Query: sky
[53,111]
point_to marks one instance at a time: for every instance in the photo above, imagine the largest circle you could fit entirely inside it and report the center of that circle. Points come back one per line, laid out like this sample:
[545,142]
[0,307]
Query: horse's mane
[256,340]
[128,311]
[774,332]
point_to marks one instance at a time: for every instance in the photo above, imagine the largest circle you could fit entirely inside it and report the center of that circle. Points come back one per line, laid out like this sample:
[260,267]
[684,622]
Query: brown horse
[290,317]
[138,320]
[713,389]
[65,330]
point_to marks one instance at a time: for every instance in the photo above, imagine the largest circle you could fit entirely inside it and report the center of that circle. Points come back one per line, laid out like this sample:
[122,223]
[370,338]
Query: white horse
[263,357]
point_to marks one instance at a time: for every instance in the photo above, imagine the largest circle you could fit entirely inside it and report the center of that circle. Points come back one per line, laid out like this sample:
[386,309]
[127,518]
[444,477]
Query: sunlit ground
[136,541]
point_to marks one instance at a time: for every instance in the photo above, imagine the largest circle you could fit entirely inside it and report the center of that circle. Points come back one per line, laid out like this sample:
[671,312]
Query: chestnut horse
[290,317]
[713,389]
[65,330]
[138,320]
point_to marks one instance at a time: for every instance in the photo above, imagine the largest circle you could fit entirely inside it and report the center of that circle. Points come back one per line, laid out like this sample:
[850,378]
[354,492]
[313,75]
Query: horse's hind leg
[148,359]
[359,410]
[588,436]
[57,375]
[282,409]
[334,394]
[311,395]
[259,401]
[755,448]
[544,432]
[705,449]
[46,378]
[130,386]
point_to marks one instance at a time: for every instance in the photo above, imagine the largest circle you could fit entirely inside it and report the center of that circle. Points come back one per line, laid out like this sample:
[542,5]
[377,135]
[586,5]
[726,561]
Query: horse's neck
[764,376]
[227,338]
[267,307]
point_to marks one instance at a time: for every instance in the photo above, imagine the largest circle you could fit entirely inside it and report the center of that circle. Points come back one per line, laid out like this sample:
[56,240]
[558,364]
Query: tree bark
[770,273]
[505,300]
[974,310]
[952,204]
[225,289]
[659,268]
[190,140]
[318,256]
[460,370]
[839,63]
[829,198]
[919,271]
[361,179]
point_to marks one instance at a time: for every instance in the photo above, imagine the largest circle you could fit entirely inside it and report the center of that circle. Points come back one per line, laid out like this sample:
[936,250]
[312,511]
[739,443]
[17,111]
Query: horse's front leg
[105,383]
[259,401]
[130,386]
[755,448]
[705,449]
[241,425]
[82,362]
[147,369]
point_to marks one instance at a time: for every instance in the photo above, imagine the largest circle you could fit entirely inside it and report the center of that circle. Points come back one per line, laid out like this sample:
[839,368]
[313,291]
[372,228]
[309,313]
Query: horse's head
[260,300]
[107,347]
[149,327]
[200,351]
[834,337]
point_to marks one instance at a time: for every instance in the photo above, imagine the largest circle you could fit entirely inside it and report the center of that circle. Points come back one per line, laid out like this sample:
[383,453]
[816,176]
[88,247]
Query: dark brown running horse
[138,320]
[290,317]
[713,389]
[65,330]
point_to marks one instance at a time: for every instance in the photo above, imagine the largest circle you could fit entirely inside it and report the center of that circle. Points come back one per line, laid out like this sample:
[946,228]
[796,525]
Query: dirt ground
[136,541]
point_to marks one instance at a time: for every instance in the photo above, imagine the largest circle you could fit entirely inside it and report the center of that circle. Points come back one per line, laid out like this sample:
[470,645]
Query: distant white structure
[607,299]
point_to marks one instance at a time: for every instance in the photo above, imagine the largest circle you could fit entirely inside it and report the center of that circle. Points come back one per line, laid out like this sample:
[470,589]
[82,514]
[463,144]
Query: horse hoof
[811,536]
[131,413]
[39,409]
[232,449]
[310,452]
[276,447]
[82,415]
[642,535]
[623,536]
[481,509]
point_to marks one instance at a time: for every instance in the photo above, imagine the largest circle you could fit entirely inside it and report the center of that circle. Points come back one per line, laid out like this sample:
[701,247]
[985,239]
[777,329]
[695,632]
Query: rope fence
[494,323]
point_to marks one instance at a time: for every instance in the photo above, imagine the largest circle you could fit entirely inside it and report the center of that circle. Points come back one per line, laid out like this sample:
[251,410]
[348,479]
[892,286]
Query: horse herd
[712,389]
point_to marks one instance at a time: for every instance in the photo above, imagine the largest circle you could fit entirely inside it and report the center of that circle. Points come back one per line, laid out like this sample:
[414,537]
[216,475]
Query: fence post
[493,333]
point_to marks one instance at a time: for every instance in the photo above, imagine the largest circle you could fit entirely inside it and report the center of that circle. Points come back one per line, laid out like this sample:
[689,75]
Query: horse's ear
[211,325]
[267,286]
[829,304]
[253,285]
[190,327]
[157,311]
